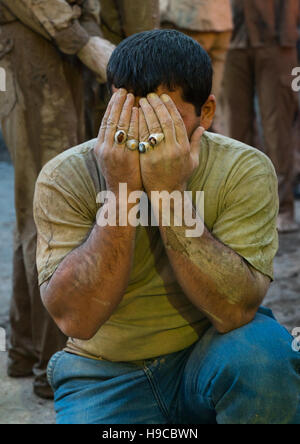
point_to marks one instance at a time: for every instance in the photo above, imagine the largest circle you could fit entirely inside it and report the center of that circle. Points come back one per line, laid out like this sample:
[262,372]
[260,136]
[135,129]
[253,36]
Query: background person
[42,114]
[260,61]
[207,21]
[118,19]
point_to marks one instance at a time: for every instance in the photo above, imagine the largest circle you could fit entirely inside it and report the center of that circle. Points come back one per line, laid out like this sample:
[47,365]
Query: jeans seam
[51,365]
[157,394]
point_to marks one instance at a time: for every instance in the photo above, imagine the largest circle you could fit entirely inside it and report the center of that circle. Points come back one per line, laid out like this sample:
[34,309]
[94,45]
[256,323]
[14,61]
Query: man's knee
[252,369]
[262,349]
[262,378]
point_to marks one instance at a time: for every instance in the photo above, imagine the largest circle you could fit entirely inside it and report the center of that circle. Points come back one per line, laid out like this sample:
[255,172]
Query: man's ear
[208,112]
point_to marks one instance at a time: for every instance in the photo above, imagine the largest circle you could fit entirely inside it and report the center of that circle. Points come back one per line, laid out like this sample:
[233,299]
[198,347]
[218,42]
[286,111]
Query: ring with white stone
[132,145]
[144,147]
[156,139]
[120,137]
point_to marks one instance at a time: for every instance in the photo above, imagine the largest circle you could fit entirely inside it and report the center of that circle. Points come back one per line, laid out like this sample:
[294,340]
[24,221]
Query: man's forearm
[63,27]
[96,54]
[215,278]
[91,281]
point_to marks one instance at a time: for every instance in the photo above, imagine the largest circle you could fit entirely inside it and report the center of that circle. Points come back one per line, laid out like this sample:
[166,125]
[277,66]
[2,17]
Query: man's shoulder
[73,158]
[236,158]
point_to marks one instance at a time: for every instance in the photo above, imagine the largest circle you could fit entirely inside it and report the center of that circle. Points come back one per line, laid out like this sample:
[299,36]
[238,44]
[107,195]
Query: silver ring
[144,147]
[120,137]
[156,139]
[132,144]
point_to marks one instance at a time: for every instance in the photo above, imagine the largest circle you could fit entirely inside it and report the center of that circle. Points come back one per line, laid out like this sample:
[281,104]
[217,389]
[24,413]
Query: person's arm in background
[58,21]
[139,16]
[122,18]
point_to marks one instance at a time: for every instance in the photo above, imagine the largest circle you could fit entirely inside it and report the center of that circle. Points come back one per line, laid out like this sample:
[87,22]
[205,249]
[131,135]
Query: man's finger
[143,128]
[133,132]
[125,117]
[196,141]
[103,125]
[164,117]
[180,129]
[114,117]
[150,116]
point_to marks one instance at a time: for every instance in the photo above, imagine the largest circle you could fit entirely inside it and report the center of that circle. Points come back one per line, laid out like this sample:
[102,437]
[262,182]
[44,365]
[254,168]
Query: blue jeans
[248,376]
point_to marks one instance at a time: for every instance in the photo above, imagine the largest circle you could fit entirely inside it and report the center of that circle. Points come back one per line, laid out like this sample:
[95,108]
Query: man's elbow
[76,328]
[73,330]
[243,313]
[72,323]
[69,325]
[234,322]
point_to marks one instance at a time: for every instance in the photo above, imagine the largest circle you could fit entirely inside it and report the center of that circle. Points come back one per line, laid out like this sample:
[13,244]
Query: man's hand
[170,164]
[95,55]
[118,164]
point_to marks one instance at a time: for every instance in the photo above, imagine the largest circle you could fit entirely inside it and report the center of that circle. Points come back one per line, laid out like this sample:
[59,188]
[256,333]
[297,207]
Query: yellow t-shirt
[155,317]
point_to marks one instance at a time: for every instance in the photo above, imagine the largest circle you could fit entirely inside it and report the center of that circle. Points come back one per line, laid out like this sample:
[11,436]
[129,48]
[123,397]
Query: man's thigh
[88,391]
[248,376]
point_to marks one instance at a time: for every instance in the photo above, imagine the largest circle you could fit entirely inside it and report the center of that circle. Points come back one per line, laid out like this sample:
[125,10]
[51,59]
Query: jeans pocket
[51,367]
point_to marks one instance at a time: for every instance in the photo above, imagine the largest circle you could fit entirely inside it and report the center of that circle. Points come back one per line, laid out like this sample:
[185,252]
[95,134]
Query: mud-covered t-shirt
[155,317]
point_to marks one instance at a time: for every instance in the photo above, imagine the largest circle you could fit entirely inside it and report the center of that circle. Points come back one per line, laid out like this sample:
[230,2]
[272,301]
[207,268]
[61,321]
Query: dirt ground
[18,405]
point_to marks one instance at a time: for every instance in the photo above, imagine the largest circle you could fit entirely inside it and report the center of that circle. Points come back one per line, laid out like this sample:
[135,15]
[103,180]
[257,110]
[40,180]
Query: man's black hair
[144,61]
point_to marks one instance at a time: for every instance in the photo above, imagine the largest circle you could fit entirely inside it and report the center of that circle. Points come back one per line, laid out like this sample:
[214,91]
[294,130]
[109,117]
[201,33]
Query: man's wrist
[170,190]
[116,204]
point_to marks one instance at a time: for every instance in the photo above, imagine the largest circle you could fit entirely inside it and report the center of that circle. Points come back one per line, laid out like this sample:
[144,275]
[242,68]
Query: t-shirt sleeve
[247,221]
[65,211]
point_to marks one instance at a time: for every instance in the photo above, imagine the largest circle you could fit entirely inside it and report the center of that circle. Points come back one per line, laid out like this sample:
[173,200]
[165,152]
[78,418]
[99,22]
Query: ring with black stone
[120,137]
[156,139]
